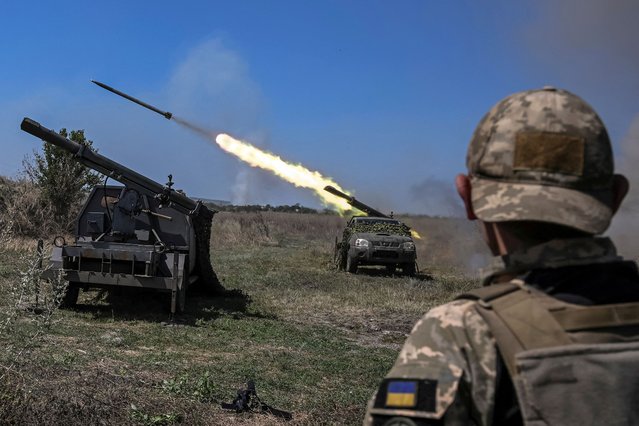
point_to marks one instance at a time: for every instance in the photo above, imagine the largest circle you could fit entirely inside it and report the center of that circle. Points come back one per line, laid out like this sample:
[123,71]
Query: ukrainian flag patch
[401,393]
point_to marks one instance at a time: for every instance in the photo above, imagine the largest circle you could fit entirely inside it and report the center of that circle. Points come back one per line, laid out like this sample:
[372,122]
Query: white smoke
[625,224]
[213,84]
[241,187]
[590,42]
[436,197]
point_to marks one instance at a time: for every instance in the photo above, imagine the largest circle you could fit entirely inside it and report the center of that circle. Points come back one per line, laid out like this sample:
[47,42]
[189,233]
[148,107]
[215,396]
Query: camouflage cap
[542,155]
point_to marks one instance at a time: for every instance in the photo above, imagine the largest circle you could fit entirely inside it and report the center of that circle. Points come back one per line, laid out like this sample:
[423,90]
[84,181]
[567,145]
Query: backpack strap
[517,320]
[578,318]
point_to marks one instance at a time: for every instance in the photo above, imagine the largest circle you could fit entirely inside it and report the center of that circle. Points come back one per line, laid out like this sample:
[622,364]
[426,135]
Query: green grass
[315,341]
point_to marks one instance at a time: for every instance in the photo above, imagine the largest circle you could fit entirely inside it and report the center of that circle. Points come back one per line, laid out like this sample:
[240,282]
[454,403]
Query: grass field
[315,341]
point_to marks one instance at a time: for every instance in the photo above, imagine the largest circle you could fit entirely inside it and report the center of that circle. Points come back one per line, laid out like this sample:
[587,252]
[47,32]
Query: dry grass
[271,228]
[446,243]
[315,341]
[25,210]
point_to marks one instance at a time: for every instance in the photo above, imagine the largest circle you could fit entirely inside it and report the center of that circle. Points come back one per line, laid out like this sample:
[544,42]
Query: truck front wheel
[409,269]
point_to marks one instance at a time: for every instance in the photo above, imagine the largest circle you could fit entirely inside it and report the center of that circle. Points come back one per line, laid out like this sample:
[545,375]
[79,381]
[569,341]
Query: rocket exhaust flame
[296,174]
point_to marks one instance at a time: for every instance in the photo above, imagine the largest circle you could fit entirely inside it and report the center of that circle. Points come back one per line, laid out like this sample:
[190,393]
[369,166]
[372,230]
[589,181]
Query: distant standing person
[553,336]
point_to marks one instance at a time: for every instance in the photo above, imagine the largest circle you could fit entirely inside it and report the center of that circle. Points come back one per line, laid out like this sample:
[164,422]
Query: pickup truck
[383,241]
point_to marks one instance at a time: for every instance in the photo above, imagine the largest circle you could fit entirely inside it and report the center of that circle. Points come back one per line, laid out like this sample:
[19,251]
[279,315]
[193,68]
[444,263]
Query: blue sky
[382,96]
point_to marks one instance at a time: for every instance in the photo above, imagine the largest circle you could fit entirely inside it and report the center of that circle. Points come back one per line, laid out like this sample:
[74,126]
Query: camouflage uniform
[453,345]
[543,156]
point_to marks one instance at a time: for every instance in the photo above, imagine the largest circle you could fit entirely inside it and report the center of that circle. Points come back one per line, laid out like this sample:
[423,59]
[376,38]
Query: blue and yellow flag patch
[401,394]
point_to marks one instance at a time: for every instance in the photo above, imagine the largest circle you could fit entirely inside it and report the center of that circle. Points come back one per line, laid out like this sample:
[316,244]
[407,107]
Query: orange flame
[296,174]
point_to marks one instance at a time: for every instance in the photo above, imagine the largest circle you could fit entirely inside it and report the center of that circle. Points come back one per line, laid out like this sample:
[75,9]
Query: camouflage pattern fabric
[553,254]
[542,155]
[453,345]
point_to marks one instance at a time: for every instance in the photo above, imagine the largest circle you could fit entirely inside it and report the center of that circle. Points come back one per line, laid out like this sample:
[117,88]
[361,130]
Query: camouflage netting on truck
[202,222]
[380,228]
[341,248]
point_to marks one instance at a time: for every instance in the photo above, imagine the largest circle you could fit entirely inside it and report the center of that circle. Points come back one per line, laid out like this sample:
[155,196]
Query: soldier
[553,336]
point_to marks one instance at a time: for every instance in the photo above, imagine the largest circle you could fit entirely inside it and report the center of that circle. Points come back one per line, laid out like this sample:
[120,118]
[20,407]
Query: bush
[63,182]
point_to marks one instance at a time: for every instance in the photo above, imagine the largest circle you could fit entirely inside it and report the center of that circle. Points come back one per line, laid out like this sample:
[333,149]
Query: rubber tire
[409,269]
[70,298]
[351,265]
[391,269]
[338,257]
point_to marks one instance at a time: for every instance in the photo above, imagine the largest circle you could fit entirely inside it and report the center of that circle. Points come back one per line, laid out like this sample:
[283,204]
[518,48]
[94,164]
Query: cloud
[212,84]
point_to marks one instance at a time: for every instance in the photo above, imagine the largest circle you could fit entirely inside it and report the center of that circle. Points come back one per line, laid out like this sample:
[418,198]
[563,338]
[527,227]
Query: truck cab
[370,240]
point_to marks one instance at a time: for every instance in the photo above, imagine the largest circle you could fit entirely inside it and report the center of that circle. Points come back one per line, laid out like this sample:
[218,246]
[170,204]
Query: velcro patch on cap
[549,152]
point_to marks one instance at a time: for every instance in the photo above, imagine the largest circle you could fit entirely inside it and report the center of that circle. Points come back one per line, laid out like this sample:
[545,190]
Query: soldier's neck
[501,241]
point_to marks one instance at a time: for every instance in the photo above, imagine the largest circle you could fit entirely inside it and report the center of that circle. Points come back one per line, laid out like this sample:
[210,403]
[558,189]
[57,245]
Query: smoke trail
[208,134]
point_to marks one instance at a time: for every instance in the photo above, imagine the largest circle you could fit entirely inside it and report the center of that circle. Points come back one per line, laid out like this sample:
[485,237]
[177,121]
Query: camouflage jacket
[452,350]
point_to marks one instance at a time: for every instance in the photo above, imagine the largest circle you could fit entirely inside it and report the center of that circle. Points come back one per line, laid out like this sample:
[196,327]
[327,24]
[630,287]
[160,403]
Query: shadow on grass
[132,304]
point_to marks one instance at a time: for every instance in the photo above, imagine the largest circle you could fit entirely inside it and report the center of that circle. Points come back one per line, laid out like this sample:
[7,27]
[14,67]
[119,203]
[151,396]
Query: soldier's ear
[620,187]
[462,182]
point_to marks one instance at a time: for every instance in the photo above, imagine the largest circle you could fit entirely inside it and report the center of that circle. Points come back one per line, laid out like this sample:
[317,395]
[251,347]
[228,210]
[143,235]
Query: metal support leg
[174,291]
[37,281]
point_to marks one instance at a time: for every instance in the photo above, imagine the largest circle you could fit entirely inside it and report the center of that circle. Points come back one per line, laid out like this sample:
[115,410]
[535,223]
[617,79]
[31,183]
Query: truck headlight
[360,242]
[408,246]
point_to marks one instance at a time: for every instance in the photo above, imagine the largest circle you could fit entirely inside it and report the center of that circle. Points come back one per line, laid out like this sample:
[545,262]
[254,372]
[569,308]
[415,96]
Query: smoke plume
[591,45]
[625,225]
[590,42]
[436,197]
